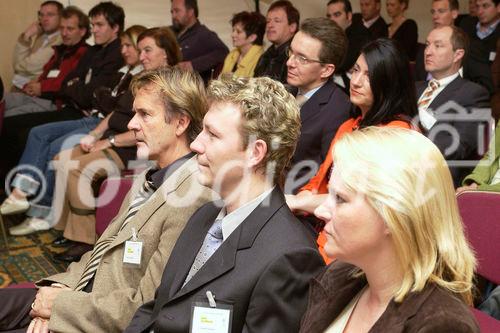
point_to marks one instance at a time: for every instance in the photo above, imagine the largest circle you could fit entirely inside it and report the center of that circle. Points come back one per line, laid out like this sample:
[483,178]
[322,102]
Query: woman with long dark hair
[383,93]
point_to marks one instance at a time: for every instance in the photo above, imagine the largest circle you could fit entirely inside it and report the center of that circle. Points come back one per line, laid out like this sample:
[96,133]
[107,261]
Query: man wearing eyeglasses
[316,51]
[34,46]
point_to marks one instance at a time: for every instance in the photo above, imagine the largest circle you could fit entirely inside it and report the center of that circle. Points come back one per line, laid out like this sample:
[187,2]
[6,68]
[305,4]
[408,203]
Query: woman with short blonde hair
[393,226]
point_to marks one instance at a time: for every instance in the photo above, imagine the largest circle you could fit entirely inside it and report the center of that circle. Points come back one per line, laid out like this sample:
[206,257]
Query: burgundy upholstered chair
[108,208]
[480,211]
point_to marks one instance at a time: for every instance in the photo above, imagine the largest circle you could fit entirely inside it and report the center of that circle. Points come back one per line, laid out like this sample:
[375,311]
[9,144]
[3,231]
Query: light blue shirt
[488,31]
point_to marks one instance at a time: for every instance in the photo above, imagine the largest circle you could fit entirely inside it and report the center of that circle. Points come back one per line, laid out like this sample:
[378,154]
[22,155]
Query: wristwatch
[111,140]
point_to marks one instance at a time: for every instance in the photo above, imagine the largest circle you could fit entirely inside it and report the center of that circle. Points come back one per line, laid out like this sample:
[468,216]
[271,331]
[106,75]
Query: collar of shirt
[311,92]
[370,22]
[444,82]
[231,221]
[489,30]
[158,176]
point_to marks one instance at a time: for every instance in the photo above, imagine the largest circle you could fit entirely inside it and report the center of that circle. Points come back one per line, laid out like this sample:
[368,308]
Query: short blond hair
[406,179]
[268,112]
[182,92]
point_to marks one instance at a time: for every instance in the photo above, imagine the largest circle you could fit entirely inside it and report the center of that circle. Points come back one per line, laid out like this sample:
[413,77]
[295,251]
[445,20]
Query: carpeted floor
[29,258]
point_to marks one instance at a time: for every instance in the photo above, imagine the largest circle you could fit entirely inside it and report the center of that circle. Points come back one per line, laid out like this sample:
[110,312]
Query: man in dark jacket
[282,24]
[202,50]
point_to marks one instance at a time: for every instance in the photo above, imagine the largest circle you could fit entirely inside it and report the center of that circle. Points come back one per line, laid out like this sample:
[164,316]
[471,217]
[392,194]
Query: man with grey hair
[244,263]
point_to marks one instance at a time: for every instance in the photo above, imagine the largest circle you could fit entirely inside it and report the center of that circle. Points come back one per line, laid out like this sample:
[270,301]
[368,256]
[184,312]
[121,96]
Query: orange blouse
[319,183]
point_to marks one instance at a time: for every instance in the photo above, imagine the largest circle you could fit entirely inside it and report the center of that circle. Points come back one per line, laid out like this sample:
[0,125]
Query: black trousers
[15,306]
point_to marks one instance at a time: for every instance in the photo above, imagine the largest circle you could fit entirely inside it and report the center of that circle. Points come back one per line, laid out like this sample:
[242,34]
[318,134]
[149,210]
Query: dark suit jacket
[431,310]
[263,270]
[320,118]
[378,28]
[469,95]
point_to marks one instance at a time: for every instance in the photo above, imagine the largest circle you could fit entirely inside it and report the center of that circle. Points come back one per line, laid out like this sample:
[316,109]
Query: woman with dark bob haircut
[383,94]
[247,36]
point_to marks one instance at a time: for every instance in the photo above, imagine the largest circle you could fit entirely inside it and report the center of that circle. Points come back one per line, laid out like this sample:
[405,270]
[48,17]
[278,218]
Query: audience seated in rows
[247,252]
[370,18]
[97,68]
[156,47]
[317,49]
[402,29]
[394,230]
[282,24]
[34,46]
[248,37]
[202,50]
[101,292]
[42,93]
[448,104]
[377,104]
[45,141]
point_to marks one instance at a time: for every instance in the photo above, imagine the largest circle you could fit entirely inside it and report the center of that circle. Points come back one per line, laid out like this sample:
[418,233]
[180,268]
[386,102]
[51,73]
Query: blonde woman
[247,36]
[392,224]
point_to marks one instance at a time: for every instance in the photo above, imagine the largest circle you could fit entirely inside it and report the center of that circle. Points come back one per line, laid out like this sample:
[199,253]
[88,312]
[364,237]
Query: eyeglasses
[301,59]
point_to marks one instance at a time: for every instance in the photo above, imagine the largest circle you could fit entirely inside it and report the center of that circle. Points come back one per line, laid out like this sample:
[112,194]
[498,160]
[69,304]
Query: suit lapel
[313,104]
[223,259]
[444,95]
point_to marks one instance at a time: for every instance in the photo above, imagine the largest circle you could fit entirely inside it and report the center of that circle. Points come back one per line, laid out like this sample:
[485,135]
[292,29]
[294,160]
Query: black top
[407,37]
[102,63]
[378,29]
[358,36]
[272,63]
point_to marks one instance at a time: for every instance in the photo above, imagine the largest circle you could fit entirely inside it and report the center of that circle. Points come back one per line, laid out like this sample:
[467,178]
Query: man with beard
[202,50]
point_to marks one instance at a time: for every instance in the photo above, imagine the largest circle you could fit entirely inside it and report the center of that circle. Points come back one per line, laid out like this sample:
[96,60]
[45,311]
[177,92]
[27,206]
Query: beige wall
[15,15]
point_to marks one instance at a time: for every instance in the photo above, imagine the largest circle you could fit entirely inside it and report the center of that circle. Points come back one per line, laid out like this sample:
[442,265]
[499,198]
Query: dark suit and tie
[262,270]
[468,95]
[321,115]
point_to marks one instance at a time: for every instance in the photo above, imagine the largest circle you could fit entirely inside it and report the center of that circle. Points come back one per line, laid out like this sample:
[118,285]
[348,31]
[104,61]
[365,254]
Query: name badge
[132,253]
[493,55]
[53,74]
[209,317]
[427,119]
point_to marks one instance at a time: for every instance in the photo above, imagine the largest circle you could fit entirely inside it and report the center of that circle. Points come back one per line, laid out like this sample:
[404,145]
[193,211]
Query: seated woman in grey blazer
[392,224]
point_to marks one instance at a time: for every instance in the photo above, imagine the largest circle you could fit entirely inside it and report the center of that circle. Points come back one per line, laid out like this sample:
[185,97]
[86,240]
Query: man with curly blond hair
[246,255]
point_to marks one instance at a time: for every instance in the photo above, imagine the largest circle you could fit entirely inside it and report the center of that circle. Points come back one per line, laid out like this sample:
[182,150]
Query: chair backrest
[108,207]
[480,211]
[486,323]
